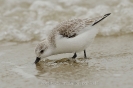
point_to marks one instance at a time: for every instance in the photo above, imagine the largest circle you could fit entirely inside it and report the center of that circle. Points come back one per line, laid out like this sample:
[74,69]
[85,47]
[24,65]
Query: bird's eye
[41,51]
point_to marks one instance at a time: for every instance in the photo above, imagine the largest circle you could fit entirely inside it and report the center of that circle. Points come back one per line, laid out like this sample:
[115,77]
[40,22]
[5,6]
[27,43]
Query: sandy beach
[110,65]
[24,23]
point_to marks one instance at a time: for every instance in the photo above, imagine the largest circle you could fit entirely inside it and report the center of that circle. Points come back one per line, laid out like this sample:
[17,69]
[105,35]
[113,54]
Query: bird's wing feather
[73,27]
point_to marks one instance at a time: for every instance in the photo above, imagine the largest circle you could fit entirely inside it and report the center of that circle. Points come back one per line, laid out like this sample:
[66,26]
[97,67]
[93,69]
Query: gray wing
[74,27]
[71,28]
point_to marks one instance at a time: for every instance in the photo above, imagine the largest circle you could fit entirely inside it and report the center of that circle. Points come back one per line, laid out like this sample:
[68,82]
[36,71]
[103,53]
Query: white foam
[28,20]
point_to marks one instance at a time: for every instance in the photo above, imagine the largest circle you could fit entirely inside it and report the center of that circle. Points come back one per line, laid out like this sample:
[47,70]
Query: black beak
[37,60]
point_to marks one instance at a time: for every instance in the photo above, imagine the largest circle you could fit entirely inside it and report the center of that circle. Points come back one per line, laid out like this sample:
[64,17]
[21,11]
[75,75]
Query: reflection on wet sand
[62,67]
[44,66]
[111,65]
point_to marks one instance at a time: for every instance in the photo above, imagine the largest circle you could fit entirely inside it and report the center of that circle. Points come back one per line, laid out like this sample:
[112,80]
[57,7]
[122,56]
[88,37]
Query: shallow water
[24,22]
[111,65]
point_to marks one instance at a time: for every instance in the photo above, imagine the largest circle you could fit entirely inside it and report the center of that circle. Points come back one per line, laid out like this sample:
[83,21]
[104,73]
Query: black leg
[74,56]
[85,54]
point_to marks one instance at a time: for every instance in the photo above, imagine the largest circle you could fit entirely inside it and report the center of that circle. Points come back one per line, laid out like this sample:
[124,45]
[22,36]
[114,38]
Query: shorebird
[70,36]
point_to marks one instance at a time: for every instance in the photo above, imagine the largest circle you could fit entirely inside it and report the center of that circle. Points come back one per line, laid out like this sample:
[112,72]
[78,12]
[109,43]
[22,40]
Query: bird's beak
[37,60]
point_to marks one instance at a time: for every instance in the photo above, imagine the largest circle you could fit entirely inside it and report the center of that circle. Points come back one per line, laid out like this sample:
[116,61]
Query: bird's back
[73,27]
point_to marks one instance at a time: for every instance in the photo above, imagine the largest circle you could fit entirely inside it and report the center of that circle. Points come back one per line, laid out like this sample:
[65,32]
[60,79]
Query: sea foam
[30,20]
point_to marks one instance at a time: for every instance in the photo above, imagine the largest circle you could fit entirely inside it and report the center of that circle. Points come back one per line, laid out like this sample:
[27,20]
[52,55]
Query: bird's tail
[100,19]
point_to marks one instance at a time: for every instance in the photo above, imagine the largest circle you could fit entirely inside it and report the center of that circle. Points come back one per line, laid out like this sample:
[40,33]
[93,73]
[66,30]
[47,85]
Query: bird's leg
[74,56]
[85,54]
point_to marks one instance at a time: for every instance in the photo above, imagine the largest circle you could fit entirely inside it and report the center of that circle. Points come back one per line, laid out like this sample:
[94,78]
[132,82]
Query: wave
[29,20]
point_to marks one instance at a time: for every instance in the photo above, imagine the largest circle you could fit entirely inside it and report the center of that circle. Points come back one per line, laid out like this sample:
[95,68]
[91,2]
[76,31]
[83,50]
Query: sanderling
[70,36]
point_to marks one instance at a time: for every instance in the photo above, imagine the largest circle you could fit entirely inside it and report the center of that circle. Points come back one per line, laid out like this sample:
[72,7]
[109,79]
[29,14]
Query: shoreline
[111,64]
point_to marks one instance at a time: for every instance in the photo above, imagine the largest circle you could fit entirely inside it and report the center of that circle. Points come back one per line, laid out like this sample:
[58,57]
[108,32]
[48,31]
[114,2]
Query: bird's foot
[85,58]
[74,56]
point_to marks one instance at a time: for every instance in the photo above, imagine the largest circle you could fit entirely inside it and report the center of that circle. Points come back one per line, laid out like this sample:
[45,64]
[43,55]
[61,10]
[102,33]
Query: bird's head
[42,50]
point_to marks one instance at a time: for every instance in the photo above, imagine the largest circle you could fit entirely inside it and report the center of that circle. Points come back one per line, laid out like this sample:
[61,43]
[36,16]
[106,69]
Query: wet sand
[110,66]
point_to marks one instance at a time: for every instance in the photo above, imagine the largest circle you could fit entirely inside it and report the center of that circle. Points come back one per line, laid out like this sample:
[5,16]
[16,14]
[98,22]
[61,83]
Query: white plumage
[69,37]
